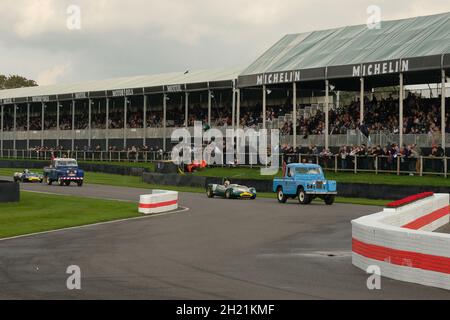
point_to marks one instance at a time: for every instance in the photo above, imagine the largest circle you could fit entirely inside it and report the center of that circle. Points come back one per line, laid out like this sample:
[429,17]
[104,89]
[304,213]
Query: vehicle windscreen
[67,163]
[312,171]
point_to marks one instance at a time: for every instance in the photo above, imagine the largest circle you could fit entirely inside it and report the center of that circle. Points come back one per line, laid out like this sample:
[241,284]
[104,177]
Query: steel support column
[15,127]
[42,122]
[233,106]
[164,120]
[400,117]
[327,115]
[28,126]
[443,111]
[361,102]
[144,124]
[125,120]
[294,114]
[89,122]
[57,122]
[209,107]
[264,106]
[238,108]
[73,125]
[186,109]
[107,125]
[1,128]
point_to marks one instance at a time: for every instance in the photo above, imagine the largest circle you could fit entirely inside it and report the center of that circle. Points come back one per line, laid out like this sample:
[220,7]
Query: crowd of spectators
[421,116]
[389,157]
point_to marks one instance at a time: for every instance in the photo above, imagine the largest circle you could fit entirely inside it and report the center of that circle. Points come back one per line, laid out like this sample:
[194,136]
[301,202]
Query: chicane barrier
[158,201]
[400,241]
[9,191]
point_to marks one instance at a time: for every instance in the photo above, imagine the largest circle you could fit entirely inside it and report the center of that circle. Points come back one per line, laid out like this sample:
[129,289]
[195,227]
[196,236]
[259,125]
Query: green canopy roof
[166,82]
[420,42]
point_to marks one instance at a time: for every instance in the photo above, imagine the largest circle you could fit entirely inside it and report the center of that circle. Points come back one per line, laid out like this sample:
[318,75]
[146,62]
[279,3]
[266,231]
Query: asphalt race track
[218,249]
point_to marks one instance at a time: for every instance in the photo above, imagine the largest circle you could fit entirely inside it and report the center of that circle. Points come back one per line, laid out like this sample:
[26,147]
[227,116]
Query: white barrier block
[400,242]
[158,201]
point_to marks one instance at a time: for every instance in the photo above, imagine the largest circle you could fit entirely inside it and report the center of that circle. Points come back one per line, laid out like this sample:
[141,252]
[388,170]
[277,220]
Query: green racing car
[230,191]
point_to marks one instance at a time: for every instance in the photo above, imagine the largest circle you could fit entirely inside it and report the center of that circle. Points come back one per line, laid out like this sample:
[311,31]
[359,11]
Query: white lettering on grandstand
[40,99]
[9,100]
[278,77]
[374,69]
[174,88]
[122,92]
[81,95]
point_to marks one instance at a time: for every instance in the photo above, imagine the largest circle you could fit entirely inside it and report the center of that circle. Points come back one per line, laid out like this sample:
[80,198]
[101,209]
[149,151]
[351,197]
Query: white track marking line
[182,209]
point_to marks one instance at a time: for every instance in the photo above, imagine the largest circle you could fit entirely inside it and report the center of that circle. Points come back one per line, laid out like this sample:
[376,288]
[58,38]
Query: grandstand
[298,86]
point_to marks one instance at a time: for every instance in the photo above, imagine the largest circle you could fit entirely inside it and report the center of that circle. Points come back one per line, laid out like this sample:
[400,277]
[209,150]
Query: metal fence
[352,163]
[376,164]
[106,156]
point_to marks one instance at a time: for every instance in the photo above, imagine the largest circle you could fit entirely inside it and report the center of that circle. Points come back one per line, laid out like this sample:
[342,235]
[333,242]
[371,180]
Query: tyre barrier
[9,191]
[400,241]
[158,201]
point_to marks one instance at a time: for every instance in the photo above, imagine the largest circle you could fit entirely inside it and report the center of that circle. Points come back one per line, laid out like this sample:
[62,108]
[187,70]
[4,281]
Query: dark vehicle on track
[63,171]
[305,182]
[230,191]
[27,176]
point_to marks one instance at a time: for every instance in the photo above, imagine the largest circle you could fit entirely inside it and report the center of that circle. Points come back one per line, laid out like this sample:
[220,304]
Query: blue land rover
[304,182]
[63,171]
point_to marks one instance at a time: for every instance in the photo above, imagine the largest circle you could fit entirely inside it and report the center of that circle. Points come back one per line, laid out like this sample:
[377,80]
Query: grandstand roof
[167,82]
[355,51]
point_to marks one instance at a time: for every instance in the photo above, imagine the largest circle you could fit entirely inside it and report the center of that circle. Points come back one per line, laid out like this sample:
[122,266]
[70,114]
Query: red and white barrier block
[158,201]
[399,240]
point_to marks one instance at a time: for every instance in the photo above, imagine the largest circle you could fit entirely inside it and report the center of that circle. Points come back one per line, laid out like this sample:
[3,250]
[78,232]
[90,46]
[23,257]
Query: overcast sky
[134,37]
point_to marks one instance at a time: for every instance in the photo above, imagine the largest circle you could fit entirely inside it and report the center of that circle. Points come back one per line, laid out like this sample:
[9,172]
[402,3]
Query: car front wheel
[329,199]
[303,198]
[281,196]
[209,193]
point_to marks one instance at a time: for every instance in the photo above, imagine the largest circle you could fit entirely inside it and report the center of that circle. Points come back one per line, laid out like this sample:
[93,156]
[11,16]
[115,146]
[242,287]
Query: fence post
[356,163]
[445,167]
[421,166]
[376,164]
[335,163]
[398,165]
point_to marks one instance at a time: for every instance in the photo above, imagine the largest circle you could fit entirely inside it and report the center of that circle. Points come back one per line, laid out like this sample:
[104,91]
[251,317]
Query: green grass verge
[41,212]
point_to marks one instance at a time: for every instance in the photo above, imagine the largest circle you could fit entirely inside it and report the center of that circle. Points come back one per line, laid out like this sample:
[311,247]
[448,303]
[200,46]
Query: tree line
[15,81]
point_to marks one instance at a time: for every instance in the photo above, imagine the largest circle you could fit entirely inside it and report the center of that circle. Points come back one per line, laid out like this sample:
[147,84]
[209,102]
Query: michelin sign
[278,77]
[380,68]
